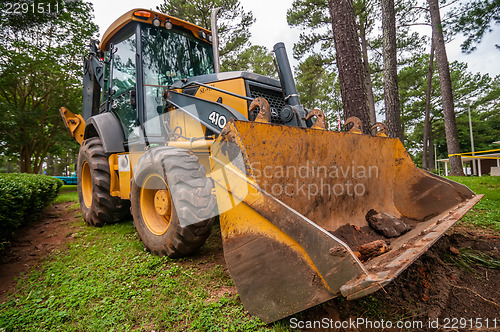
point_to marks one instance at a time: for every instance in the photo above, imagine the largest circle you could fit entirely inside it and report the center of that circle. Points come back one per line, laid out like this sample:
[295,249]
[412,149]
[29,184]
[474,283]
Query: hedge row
[22,197]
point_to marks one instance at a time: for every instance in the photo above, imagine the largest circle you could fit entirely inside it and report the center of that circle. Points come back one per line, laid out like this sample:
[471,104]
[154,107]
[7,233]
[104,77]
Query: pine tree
[348,56]
[452,141]
[391,92]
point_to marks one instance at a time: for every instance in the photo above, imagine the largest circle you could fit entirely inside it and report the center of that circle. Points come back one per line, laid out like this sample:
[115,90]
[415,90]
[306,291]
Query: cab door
[122,91]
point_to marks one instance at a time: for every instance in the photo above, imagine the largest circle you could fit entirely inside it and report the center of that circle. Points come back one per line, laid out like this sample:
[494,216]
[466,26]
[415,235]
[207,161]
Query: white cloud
[485,59]
[106,12]
[271,26]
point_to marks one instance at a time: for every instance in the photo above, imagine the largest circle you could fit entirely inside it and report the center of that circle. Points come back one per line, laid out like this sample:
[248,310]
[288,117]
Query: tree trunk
[391,91]
[56,165]
[25,160]
[428,94]
[38,167]
[50,164]
[368,80]
[348,56]
[431,151]
[450,124]
[66,165]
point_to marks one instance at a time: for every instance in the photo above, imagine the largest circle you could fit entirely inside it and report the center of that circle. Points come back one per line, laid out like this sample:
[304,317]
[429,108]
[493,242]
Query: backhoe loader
[306,213]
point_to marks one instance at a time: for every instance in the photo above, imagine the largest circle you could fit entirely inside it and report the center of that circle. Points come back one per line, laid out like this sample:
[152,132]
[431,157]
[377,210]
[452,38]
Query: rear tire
[170,187]
[94,181]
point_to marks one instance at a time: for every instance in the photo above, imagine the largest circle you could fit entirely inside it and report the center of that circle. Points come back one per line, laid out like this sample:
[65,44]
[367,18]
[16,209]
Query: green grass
[474,257]
[486,213]
[104,280]
[67,194]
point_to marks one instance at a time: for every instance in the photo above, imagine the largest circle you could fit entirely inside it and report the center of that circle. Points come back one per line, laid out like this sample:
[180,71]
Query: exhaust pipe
[288,83]
[215,39]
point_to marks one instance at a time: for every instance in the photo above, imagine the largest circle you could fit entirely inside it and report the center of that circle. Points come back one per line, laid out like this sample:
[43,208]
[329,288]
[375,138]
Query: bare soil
[437,287]
[33,242]
[355,237]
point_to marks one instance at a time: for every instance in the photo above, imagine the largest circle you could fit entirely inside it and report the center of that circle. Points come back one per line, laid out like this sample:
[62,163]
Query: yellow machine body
[294,203]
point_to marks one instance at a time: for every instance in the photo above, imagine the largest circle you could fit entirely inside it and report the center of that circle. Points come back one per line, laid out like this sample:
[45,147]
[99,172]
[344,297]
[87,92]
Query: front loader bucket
[298,205]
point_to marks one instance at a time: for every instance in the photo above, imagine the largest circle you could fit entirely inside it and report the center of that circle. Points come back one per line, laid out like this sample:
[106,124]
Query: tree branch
[413,24]
[449,4]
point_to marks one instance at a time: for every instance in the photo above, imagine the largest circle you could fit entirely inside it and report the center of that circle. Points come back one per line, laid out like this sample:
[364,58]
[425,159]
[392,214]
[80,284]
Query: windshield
[168,56]
[171,55]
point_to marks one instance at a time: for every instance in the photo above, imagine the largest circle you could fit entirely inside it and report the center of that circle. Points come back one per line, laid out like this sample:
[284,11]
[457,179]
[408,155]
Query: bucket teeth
[320,119]
[381,129]
[264,115]
[357,126]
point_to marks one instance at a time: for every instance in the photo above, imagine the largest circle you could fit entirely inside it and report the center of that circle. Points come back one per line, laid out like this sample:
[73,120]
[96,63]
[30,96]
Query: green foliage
[474,19]
[469,258]
[318,87]
[255,59]
[466,85]
[40,71]
[474,257]
[317,39]
[22,196]
[104,280]
[316,75]
[312,16]
[67,194]
[233,25]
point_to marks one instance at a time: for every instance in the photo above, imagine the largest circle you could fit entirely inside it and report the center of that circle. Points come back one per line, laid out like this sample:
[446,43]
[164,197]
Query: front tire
[94,182]
[172,202]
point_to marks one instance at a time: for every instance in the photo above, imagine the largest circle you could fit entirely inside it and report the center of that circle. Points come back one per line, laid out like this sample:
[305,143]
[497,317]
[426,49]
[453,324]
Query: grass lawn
[486,213]
[67,194]
[103,279]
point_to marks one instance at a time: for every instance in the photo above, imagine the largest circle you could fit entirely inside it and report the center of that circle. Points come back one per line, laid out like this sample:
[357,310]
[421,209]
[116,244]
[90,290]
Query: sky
[271,27]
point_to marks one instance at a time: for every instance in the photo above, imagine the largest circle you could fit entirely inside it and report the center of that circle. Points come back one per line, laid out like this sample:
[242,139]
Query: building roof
[481,156]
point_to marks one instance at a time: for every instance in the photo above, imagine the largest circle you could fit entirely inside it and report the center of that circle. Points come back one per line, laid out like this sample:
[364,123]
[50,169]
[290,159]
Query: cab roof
[147,16]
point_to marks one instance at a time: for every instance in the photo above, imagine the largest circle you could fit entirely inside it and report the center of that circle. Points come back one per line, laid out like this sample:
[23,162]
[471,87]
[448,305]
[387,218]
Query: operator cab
[143,54]
[167,50]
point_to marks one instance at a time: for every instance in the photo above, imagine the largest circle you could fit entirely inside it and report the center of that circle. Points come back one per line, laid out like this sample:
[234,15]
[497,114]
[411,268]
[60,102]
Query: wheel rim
[86,185]
[156,204]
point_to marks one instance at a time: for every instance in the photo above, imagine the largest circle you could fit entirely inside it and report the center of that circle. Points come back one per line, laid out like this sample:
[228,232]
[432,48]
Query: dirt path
[33,242]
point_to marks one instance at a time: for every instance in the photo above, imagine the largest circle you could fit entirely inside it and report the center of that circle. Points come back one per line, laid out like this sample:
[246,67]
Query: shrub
[22,197]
